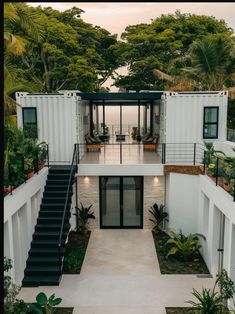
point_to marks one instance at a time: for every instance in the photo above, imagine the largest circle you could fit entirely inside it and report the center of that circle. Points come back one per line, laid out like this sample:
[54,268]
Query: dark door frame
[121,204]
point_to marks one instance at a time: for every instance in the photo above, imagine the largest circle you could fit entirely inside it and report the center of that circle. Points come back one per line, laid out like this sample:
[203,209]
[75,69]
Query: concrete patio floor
[121,275]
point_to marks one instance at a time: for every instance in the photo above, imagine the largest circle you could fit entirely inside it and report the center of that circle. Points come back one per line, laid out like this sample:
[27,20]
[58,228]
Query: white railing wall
[20,216]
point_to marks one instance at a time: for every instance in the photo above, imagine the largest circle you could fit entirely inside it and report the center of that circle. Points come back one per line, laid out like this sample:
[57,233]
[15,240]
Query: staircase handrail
[74,159]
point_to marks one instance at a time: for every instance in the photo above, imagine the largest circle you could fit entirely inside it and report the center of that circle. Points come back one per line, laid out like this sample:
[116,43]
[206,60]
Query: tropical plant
[226,285]
[72,261]
[159,216]
[209,301]
[184,246]
[45,305]
[10,289]
[83,215]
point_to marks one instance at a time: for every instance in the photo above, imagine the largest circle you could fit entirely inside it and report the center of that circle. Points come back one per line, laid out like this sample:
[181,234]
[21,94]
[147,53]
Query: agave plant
[83,215]
[209,301]
[185,246]
[159,215]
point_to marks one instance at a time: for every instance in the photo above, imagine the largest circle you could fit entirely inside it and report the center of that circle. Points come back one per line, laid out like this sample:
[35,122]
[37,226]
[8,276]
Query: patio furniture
[92,143]
[151,143]
[104,138]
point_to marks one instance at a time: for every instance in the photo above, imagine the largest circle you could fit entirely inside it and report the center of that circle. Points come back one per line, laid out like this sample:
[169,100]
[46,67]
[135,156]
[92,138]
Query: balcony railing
[139,153]
[222,171]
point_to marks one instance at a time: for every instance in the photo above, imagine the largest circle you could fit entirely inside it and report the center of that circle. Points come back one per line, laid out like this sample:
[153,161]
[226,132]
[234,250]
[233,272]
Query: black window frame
[23,120]
[210,123]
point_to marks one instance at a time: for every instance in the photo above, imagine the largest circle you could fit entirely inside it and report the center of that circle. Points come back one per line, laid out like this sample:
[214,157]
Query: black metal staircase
[44,263]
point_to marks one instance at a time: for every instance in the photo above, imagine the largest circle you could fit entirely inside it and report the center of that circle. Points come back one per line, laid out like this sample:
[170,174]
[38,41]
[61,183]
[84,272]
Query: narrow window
[210,122]
[30,122]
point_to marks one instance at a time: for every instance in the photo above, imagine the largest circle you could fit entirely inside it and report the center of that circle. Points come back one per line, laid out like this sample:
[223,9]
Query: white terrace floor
[121,275]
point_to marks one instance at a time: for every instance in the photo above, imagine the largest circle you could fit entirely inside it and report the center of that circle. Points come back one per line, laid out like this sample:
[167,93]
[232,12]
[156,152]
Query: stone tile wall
[88,193]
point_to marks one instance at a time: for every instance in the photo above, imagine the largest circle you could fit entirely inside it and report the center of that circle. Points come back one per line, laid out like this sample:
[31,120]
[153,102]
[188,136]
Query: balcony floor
[131,154]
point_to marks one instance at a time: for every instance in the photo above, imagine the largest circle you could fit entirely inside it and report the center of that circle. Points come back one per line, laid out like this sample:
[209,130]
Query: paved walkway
[121,275]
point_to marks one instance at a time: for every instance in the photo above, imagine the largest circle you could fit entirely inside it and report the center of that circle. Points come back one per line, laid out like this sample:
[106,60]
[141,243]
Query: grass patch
[174,264]
[75,251]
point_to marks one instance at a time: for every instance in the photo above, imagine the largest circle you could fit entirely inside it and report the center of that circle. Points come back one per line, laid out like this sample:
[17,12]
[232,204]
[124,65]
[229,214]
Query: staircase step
[48,235]
[57,188]
[58,176]
[51,220]
[54,206]
[35,281]
[43,260]
[45,270]
[56,194]
[54,213]
[51,227]
[45,243]
[56,200]
[48,251]
[58,182]
[65,171]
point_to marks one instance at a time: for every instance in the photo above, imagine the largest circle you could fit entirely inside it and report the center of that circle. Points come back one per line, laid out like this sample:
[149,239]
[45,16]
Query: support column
[138,135]
[103,118]
[151,118]
[120,118]
[91,118]
[97,118]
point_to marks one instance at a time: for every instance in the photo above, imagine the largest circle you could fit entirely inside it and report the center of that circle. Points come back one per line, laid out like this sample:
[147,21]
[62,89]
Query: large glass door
[121,202]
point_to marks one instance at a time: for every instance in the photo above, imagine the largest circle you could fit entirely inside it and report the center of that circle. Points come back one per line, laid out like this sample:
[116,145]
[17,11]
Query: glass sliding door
[121,202]
[132,201]
[110,201]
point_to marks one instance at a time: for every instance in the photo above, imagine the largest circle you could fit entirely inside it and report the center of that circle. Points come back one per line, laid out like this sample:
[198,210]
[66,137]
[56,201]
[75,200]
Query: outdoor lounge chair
[151,143]
[92,143]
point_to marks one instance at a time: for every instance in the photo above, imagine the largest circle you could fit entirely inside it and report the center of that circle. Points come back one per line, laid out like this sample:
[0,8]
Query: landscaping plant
[212,302]
[159,216]
[83,215]
[72,261]
[45,305]
[184,246]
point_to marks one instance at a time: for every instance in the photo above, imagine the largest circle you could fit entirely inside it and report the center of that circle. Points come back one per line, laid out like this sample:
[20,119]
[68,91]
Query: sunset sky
[115,16]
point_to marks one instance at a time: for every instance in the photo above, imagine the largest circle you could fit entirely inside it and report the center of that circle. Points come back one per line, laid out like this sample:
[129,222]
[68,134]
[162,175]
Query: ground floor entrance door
[121,202]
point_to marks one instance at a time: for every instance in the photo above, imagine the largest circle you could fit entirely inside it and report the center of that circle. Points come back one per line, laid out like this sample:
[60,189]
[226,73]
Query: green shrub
[45,305]
[73,261]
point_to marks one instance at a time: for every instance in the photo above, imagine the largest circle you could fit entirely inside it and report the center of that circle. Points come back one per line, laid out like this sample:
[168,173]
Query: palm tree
[16,15]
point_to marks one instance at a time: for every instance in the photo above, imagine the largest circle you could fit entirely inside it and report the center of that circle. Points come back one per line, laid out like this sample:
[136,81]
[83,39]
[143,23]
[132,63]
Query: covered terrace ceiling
[125,99]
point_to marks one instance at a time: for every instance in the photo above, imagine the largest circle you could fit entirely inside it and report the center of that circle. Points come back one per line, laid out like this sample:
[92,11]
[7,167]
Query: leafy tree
[72,55]
[157,45]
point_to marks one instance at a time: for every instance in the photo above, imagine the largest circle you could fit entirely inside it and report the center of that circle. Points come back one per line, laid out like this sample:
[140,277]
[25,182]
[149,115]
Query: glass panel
[210,130]
[211,115]
[132,206]
[29,115]
[110,201]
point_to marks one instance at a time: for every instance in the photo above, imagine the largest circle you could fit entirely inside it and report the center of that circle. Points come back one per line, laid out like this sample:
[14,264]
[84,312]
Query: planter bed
[181,310]
[174,265]
[64,310]
[75,251]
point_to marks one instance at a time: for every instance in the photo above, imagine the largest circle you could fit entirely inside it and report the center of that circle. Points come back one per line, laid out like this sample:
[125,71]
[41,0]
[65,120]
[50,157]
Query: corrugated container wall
[58,117]
[184,115]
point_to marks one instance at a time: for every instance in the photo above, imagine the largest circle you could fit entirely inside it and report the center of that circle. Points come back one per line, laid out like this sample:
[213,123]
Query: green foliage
[45,305]
[184,246]
[209,301]
[164,44]
[159,215]
[73,261]
[226,285]
[83,215]
[72,54]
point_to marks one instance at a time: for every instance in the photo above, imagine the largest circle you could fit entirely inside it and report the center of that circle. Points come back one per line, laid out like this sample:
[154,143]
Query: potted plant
[29,167]
[41,151]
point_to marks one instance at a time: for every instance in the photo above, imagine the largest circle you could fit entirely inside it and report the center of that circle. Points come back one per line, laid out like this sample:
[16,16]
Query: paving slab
[121,275]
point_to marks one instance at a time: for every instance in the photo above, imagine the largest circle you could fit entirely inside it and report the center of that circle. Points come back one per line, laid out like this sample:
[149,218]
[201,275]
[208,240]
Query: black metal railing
[139,153]
[18,173]
[231,135]
[221,169]
[75,161]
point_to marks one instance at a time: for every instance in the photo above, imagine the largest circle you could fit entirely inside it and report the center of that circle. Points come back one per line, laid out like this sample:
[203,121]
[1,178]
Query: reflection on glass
[110,201]
[131,201]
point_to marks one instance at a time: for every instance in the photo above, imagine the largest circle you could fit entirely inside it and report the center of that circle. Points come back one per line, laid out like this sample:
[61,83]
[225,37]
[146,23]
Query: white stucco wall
[182,202]
[20,216]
